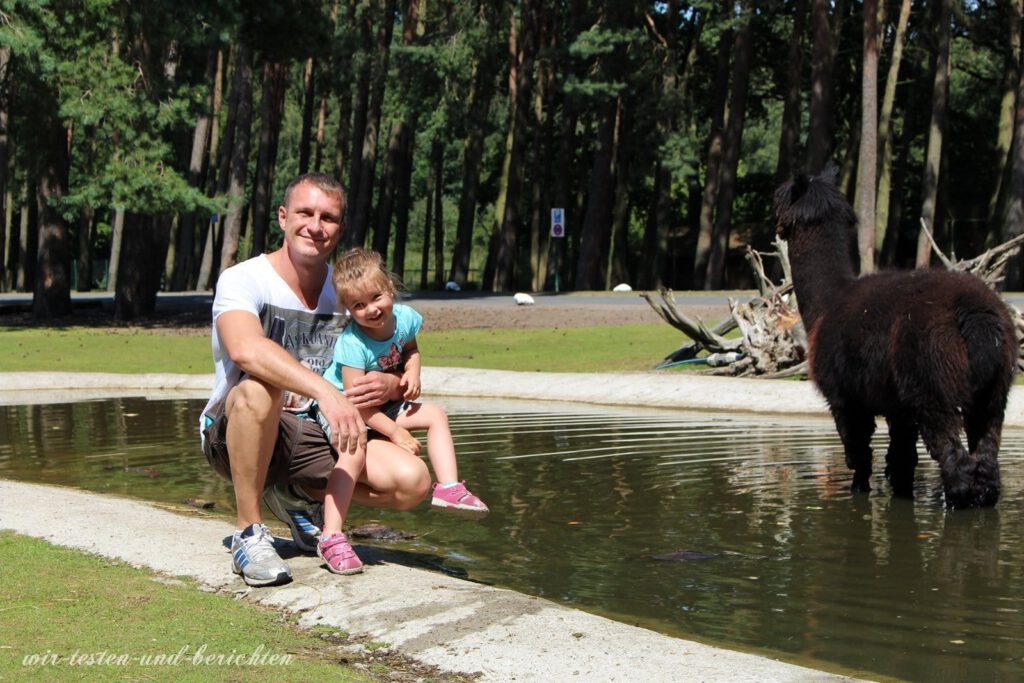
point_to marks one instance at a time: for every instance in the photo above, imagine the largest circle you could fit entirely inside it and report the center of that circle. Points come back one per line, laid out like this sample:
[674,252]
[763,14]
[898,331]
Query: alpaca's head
[809,203]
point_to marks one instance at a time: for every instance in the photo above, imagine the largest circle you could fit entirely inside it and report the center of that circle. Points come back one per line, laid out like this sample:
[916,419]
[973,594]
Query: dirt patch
[191,315]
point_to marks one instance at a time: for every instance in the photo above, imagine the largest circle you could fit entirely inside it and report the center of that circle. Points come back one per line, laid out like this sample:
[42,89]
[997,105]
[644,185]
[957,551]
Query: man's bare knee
[254,400]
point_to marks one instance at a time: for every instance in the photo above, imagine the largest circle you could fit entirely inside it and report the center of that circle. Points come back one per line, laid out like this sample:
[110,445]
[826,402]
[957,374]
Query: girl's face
[370,305]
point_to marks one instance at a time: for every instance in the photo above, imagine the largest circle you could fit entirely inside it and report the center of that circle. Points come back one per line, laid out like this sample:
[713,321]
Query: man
[275,322]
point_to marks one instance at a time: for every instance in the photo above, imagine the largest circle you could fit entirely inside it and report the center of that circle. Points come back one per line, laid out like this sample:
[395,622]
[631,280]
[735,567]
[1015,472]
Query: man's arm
[373,389]
[242,337]
[376,419]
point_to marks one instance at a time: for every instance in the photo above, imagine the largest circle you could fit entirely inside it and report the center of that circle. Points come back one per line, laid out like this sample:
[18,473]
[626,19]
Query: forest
[145,144]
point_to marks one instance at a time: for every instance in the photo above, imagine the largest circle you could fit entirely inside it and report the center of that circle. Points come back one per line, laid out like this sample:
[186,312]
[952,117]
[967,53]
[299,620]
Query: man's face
[312,222]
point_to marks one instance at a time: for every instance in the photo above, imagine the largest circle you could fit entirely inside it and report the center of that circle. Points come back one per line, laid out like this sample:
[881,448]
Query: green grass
[68,615]
[572,349]
[82,349]
[594,349]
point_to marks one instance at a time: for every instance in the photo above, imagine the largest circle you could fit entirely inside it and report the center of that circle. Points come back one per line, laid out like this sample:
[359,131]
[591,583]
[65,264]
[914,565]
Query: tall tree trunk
[472,155]
[403,186]
[52,295]
[936,133]
[184,252]
[428,217]
[712,180]
[6,229]
[511,223]
[673,92]
[11,258]
[116,240]
[541,187]
[86,230]
[388,185]
[819,130]
[308,105]
[1007,108]
[437,158]
[359,223]
[395,167]
[540,125]
[275,82]
[731,147]
[789,140]
[618,256]
[321,130]
[28,240]
[209,238]
[360,107]
[559,256]
[137,278]
[868,160]
[1013,221]
[600,198]
[232,228]
[885,135]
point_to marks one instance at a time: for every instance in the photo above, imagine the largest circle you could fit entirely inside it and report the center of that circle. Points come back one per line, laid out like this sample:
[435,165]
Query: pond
[735,530]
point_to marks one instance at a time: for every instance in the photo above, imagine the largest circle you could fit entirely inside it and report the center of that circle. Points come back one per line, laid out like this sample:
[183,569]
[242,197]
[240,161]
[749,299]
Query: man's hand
[403,439]
[348,432]
[373,389]
[410,384]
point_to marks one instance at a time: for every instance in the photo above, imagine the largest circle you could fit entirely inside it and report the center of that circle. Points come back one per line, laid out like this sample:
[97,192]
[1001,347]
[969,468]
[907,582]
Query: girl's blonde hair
[357,266]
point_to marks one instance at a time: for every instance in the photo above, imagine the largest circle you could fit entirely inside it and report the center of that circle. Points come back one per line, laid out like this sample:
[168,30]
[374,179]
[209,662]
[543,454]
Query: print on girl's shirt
[392,360]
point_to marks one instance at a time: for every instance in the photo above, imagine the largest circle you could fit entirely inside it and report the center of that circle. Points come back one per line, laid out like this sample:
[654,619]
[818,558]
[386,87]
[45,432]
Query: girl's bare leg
[440,446]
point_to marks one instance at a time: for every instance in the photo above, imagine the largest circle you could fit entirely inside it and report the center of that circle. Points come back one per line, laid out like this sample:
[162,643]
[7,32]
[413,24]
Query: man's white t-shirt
[308,334]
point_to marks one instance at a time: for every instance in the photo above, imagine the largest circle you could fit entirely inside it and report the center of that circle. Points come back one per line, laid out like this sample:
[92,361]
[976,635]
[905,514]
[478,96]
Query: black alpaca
[932,351]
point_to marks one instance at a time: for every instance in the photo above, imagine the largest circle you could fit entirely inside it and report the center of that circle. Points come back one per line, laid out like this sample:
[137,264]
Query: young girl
[382,336]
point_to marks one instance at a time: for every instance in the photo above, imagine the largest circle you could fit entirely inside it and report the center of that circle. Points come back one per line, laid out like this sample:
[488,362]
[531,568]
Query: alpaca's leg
[901,458]
[984,433]
[855,429]
[966,481]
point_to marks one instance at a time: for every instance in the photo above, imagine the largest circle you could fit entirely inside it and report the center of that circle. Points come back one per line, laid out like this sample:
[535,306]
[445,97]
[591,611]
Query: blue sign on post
[558,222]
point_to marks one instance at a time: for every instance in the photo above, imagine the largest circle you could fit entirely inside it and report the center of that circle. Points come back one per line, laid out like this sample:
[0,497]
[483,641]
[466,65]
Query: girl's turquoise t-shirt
[357,350]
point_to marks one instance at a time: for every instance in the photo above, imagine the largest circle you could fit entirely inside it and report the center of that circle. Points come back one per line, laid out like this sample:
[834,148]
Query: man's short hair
[327,184]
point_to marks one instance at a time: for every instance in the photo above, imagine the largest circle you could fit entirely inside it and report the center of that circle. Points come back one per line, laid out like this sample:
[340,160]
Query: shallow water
[766,548]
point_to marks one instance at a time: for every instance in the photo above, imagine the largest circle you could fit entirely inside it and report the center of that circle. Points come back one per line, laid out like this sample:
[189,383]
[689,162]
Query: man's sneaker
[302,515]
[253,556]
[339,555]
[457,498]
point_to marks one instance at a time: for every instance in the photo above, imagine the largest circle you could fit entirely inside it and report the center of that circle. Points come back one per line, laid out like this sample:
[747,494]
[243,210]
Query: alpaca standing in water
[932,351]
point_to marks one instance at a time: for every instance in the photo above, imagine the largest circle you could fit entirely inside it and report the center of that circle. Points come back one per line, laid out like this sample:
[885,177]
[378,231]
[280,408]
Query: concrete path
[450,623]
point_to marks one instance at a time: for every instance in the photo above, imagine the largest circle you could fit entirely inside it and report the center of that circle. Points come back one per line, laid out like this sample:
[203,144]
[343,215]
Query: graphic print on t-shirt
[392,360]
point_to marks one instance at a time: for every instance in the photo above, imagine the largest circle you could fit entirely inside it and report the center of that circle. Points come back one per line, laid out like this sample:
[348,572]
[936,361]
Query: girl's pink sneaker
[338,554]
[457,498]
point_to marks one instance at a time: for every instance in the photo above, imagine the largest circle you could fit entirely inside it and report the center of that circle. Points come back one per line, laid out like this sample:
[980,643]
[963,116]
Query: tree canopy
[144,145]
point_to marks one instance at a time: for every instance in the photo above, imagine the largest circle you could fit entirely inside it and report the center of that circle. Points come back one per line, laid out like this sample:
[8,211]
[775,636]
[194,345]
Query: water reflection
[774,552]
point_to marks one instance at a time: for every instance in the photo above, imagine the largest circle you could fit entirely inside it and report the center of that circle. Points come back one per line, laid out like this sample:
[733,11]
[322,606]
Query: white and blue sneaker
[254,558]
[303,515]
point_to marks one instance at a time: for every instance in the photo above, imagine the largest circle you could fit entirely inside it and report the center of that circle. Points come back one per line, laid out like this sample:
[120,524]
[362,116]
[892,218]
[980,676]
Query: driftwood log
[772,340]
[990,266]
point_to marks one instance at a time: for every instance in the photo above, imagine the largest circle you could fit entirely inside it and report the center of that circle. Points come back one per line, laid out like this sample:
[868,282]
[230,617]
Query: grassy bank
[593,349]
[59,607]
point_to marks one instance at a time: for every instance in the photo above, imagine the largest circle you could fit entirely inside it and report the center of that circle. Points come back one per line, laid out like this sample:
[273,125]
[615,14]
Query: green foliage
[128,80]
